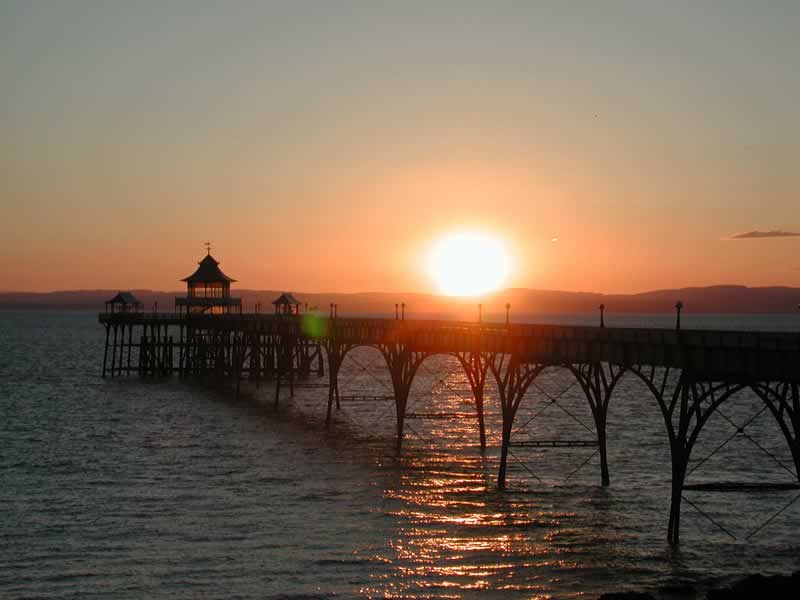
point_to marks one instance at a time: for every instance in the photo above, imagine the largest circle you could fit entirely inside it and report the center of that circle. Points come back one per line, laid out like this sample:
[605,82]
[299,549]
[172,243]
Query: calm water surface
[130,489]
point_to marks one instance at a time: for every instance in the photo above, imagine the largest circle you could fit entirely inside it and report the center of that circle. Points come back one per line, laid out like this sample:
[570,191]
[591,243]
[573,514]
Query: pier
[690,373]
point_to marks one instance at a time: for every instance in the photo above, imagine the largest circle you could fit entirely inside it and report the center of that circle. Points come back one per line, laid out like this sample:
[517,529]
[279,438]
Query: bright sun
[468,264]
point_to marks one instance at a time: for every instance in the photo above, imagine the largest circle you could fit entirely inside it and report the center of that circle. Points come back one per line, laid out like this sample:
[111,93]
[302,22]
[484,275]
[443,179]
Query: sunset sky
[325,146]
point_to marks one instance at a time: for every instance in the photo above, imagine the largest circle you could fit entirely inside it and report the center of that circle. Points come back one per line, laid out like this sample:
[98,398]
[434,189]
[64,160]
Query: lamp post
[602,308]
[403,311]
[508,309]
[336,310]
[396,311]
[331,310]
[678,308]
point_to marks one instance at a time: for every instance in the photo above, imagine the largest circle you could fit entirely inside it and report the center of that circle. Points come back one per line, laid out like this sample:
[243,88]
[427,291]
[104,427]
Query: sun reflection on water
[452,534]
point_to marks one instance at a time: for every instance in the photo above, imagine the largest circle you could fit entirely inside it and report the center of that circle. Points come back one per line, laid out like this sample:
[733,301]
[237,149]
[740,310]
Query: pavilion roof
[208,272]
[286,298]
[124,298]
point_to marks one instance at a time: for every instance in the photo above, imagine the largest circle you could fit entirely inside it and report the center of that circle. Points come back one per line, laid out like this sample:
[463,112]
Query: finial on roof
[208,248]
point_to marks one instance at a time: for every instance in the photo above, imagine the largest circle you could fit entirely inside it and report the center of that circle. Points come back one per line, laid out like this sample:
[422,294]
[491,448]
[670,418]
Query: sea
[159,488]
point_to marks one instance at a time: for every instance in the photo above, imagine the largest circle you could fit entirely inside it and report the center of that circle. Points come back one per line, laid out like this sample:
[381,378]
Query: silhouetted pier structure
[690,373]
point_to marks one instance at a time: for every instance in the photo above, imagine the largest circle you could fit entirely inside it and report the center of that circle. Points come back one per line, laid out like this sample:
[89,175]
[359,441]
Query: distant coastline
[723,299]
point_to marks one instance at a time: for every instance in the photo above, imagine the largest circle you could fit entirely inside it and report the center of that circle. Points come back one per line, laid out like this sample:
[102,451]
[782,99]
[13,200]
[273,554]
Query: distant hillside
[715,299]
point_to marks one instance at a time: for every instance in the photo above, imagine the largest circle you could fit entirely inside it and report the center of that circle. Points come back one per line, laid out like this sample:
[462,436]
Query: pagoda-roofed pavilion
[208,290]
[124,302]
[287,304]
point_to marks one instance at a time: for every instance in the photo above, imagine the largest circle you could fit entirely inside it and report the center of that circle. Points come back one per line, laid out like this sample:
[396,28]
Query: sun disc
[469,264]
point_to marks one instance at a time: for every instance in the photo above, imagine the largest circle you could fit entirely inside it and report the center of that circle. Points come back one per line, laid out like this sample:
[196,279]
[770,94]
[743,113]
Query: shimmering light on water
[130,489]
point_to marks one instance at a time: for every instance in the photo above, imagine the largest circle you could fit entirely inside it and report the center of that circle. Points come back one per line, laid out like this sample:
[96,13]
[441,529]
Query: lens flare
[469,264]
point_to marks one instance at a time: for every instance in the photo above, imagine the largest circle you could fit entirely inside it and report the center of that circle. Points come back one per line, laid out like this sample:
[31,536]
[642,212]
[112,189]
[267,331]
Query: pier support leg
[685,410]
[475,367]
[180,350]
[285,365]
[332,383]
[238,357]
[114,352]
[105,352]
[513,378]
[679,463]
[121,359]
[403,363]
[130,348]
[681,438]
[334,362]
[336,353]
[254,369]
[605,479]
[320,363]
[506,442]
[478,394]
[598,382]
[680,450]
[401,402]
[783,401]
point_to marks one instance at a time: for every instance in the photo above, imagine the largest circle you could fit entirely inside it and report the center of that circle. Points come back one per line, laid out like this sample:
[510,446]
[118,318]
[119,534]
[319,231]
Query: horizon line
[430,294]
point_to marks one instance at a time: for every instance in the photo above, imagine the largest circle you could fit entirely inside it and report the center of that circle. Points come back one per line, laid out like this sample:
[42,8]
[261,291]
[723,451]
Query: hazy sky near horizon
[323,146]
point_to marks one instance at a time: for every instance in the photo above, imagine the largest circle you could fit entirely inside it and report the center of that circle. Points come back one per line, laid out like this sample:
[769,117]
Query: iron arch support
[513,378]
[476,366]
[598,386]
[284,360]
[783,401]
[685,410]
[403,363]
[336,352]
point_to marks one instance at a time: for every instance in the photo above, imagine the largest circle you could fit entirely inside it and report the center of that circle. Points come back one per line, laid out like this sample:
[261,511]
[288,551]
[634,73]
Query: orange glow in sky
[320,151]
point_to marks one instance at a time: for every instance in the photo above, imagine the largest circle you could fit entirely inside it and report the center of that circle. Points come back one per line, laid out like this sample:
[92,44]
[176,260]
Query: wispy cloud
[760,235]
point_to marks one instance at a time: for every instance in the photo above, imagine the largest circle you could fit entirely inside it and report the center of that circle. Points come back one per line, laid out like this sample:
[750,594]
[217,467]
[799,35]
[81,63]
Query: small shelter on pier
[208,290]
[286,304]
[124,302]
